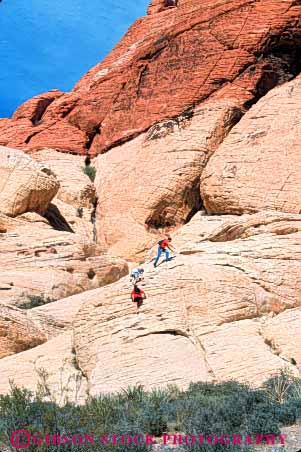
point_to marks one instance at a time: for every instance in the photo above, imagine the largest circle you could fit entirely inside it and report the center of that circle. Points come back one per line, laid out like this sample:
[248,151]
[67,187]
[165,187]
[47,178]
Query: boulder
[25,186]
[258,165]
[161,174]
[18,332]
[76,188]
[73,208]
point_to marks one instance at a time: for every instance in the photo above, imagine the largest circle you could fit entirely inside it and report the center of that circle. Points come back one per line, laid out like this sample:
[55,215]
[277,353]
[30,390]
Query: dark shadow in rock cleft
[56,219]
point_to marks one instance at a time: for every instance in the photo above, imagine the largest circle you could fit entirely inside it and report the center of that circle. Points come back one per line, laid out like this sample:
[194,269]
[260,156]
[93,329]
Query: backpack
[160,242]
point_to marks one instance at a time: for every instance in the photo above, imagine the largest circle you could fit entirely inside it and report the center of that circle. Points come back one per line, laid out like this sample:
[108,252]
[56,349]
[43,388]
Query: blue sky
[47,44]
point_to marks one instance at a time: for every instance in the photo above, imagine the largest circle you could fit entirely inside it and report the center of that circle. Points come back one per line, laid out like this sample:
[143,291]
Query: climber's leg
[158,256]
[166,255]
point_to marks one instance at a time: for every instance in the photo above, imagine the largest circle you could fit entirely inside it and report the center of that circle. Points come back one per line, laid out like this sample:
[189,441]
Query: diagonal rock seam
[274,350]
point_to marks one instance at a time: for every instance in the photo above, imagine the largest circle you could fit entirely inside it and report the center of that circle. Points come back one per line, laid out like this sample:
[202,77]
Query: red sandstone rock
[61,106]
[157,6]
[169,60]
[63,136]
[15,132]
[34,108]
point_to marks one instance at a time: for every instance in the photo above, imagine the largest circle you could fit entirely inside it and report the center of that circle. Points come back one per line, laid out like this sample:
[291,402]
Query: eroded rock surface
[282,333]
[38,261]
[205,314]
[54,363]
[223,308]
[161,175]
[258,166]
[75,186]
[74,206]
[17,332]
[25,186]
[34,108]
[163,115]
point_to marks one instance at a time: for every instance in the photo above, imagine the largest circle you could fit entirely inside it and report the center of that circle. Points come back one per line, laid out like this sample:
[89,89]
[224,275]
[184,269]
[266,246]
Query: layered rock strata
[169,61]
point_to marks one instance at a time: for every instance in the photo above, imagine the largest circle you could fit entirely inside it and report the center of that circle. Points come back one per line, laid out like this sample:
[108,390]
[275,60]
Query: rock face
[54,363]
[17,332]
[25,186]
[180,54]
[74,206]
[224,308]
[207,313]
[76,188]
[34,108]
[258,166]
[161,174]
[42,258]
[279,333]
[38,261]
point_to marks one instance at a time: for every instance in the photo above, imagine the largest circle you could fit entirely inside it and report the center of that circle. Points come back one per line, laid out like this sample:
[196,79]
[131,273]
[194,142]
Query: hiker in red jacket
[138,296]
[164,246]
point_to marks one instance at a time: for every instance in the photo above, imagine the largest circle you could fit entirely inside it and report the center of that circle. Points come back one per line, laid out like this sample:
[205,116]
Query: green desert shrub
[33,301]
[230,408]
[90,171]
[280,385]
[156,409]
[204,408]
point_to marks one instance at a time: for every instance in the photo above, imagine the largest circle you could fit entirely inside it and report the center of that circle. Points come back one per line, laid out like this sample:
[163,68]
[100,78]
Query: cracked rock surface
[225,307]
[158,176]
[209,313]
[258,165]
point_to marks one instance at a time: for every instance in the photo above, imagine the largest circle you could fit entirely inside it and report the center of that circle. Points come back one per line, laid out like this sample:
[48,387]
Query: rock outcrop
[76,188]
[38,261]
[17,332]
[34,108]
[53,363]
[258,166]
[224,308]
[161,173]
[74,206]
[24,329]
[174,58]
[25,185]
[255,167]
[46,258]
[207,313]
